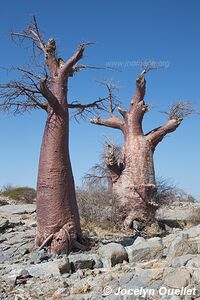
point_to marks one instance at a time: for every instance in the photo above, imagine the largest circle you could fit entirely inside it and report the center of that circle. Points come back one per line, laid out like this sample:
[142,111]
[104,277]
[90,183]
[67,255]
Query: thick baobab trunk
[136,187]
[133,176]
[57,211]
[58,222]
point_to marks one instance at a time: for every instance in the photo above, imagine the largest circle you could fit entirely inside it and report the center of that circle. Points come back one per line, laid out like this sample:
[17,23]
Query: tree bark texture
[57,210]
[133,176]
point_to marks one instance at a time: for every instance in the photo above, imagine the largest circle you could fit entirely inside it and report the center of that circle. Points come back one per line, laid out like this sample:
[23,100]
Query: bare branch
[113,100]
[28,72]
[77,68]
[140,89]
[84,110]
[177,112]
[123,112]
[112,122]
[180,110]
[15,95]
[49,48]
[155,136]
[45,91]
[67,68]
[95,104]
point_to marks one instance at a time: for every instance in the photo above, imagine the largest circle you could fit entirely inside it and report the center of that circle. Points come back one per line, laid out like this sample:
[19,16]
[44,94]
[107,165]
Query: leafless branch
[180,110]
[15,95]
[84,110]
[67,68]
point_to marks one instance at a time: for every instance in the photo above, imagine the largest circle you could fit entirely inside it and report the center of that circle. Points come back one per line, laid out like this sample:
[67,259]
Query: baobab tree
[45,87]
[131,170]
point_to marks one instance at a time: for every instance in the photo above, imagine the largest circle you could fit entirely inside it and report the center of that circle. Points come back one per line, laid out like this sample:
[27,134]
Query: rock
[4,201]
[139,240]
[153,230]
[187,212]
[181,261]
[171,297]
[196,276]
[3,224]
[61,292]
[193,232]
[176,278]
[17,209]
[144,249]
[194,262]
[112,254]
[63,265]
[181,245]
[38,256]
[56,268]
[84,261]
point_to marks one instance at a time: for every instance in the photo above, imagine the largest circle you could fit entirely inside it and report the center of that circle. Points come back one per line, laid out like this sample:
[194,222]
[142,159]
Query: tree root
[63,241]
[48,239]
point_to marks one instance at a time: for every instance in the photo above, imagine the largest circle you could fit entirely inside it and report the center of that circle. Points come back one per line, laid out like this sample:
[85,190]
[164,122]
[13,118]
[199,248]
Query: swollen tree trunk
[133,176]
[58,222]
[136,186]
[57,211]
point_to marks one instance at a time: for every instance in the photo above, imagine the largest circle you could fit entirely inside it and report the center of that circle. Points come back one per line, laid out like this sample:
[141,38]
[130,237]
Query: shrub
[97,207]
[167,193]
[23,194]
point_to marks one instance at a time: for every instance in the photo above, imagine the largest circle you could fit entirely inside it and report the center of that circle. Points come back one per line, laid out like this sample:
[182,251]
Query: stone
[170,297]
[193,232]
[61,292]
[17,209]
[176,278]
[38,256]
[181,245]
[56,268]
[4,223]
[183,213]
[181,261]
[194,262]
[144,249]
[196,276]
[84,261]
[112,254]
[63,265]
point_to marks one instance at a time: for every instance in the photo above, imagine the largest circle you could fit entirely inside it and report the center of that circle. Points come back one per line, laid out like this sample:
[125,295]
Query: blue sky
[124,32]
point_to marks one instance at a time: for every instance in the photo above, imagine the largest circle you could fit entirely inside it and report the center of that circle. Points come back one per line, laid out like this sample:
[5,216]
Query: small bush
[168,193]
[97,207]
[23,194]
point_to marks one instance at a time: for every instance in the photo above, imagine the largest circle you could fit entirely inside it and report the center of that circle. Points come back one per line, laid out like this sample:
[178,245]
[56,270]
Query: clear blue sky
[123,31]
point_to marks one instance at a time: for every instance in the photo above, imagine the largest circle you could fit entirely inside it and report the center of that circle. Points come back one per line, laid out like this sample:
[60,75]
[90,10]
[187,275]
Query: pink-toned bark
[57,210]
[58,221]
[133,179]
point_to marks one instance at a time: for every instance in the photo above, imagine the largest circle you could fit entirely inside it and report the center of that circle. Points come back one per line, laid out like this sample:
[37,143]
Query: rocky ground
[162,264]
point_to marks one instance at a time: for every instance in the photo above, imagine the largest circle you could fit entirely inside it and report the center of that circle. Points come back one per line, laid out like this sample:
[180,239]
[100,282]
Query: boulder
[39,256]
[56,268]
[196,276]
[176,278]
[181,261]
[17,209]
[144,249]
[112,254]
[4,223]
[194,262]
[180,246]
[84,261]
[178,215]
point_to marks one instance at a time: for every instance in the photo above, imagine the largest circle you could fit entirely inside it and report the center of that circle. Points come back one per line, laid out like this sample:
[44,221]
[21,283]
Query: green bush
[23,194]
